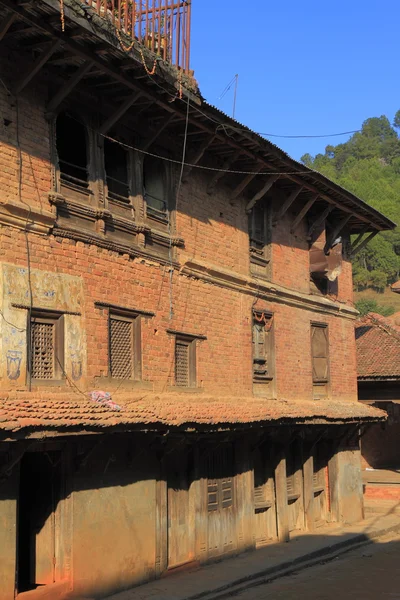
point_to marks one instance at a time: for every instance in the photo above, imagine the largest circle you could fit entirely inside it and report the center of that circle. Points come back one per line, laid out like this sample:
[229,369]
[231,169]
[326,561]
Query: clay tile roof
[395,287]
[378,348]
[51,412]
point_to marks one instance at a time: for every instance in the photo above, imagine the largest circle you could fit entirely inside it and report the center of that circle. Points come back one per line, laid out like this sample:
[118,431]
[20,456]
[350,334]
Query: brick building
[178,380]
[378,366]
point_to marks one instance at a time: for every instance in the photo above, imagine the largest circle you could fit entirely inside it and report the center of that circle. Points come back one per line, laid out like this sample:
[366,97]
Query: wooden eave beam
[116,74]
[6,24]
[196,158]
[287,204]
[69,86]
[243,184]
[366,241]
[220,174]
[121,110]
[152,138]
[360,236]
[35,68]
[303,212]
[264,190]
[319,220]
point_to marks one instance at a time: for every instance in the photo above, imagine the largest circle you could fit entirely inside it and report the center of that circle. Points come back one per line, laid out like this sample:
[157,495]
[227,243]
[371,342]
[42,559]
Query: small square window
[46,349]
[185,362]
[124,346]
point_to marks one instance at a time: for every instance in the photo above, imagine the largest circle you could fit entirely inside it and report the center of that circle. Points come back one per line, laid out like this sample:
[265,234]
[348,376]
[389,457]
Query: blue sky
[305,68]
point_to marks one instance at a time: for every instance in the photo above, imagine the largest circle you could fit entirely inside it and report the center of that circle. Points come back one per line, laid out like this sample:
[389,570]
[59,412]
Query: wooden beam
[220,174]
[364,243]
[243,184]
[6,24]
[339,227]
[319,220]
[360,236]
[152,138]
[287,204]
[198,156]
[35,68]
[282,513]
[69,86]
[303,212]
[264,190]
[121,110]
[308,482]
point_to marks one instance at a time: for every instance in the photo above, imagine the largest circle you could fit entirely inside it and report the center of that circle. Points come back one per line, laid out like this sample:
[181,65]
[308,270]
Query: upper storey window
[259,237]
[155,187]
[116,165]
[72,153]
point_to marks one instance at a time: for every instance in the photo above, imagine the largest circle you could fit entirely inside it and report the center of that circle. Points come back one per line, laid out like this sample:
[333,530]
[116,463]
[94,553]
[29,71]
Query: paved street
[369,573]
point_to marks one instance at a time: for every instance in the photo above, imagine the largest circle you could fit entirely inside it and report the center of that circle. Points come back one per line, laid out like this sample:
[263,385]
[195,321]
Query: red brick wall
[215,231]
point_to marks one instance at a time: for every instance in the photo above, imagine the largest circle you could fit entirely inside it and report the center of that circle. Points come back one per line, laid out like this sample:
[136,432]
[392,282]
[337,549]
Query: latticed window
[46,347]
[185,362]
[320,358]
[259,228]
[121,346]
[262,347]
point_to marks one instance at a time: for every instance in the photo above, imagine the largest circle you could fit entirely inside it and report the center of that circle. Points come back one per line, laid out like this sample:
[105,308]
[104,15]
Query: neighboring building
[184,292]
[378,365]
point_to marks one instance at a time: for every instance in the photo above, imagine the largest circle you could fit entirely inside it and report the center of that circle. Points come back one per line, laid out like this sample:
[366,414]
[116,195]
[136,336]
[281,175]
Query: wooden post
[282,516]
[308,482]
[333,473]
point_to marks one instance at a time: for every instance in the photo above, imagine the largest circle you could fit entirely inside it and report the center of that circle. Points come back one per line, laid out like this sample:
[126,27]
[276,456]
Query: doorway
[39,496]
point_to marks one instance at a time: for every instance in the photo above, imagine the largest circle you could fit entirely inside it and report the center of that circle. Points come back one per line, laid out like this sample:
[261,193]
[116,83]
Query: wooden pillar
[282,516]
[161,520]
[333,475]
[308,482]
[200,507]
[244,497]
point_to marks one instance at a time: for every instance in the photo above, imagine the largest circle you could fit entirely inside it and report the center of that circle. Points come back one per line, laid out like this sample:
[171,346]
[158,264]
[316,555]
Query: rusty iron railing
[162,26]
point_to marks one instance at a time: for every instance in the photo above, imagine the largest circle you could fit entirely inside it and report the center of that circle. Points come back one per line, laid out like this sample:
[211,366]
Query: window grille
[42,350]
[182,367]
[121,347]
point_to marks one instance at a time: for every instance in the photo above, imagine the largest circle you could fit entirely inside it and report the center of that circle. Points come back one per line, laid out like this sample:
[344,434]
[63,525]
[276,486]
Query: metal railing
[162,26]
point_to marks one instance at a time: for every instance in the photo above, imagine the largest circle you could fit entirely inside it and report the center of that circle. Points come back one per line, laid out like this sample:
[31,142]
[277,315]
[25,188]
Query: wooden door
[265,527]
[220,500]
[320,485]
[180,521]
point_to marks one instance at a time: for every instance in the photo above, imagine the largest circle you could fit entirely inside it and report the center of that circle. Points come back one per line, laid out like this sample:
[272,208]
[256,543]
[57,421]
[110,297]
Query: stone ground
[368,573]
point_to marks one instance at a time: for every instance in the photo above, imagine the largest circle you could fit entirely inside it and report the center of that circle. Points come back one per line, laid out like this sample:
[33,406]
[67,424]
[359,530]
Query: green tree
[368,305]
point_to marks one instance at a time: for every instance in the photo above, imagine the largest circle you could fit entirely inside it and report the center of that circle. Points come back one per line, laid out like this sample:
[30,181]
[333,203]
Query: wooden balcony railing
[162,26]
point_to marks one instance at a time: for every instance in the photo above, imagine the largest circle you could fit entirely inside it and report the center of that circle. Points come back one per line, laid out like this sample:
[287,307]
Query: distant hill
[368,165]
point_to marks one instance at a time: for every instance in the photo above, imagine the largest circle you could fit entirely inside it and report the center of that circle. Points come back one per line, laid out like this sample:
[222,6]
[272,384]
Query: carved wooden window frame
[135,345]
[56,321]
[321,385]
[263,364]
[153,215]
[260,245]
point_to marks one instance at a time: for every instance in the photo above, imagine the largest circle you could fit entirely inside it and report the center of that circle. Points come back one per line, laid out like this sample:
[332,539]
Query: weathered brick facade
[239,410]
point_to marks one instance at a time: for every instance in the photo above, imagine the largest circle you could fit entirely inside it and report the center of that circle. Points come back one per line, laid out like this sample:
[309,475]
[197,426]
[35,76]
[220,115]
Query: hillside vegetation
[368,165]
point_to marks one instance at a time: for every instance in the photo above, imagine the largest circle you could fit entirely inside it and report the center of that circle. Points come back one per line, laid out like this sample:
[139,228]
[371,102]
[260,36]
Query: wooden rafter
[303,212]
[243,184]
[152,138]
[6,24]
[319,220]
[287,204]
[35,68]
[196,158]
[220,174]
[260,194]
[335,232]
[366,241]
[360,236]
[69,86]
[121,110]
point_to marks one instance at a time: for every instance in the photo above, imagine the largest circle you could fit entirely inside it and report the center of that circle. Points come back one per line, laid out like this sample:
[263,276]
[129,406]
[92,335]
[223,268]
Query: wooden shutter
[121,347]
[261,349]
[42,349]
[220,479]
[320,353]
[257,226]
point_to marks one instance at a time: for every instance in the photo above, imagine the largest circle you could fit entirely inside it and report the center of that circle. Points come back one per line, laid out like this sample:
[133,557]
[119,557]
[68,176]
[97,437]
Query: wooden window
[220,478]
[263,483]
[263,347]
[292,475]
[185,361]
[46,349]
[320,358]
[259,228]
[116,166]
[124,346]
[72,153]
[155,188]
